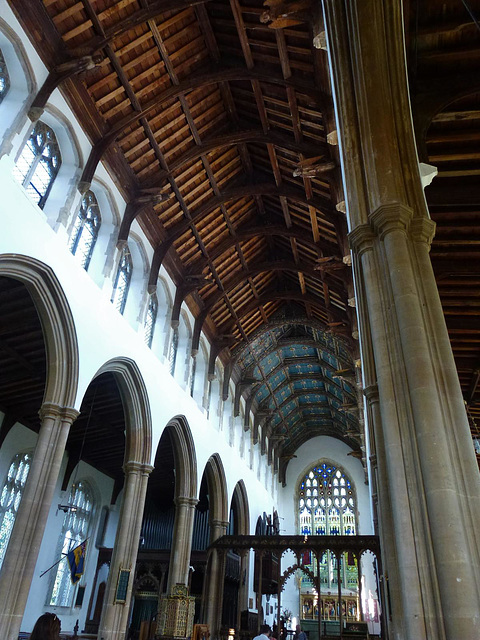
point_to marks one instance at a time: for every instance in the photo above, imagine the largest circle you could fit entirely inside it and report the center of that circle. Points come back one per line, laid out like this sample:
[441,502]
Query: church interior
[240,318]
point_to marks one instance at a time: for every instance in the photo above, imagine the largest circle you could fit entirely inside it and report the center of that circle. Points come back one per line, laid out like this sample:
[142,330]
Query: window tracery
[11,496]
[327,506]
[86,228]
[76,524]
[122,280]
[39,163]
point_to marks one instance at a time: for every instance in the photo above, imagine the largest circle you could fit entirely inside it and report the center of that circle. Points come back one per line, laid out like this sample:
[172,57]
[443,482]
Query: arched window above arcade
[38,163]
[11,496]
[85,229]
[122,280]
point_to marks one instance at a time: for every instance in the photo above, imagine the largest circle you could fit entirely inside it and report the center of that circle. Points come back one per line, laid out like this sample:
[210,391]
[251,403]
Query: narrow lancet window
[150,319]
[122,280]
[85,230]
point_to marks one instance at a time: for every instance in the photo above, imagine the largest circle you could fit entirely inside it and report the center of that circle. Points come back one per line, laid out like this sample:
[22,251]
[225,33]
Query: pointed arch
[217,488]
[138,447]
[185,458]
[57,324]
[240,499]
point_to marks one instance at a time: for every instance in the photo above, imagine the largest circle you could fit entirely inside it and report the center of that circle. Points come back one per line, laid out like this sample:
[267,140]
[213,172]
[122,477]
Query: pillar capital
[53,411]
[361,238]
[219,523]
[131,466]
[394,216]
[185,501]
[422,230]
[371,392]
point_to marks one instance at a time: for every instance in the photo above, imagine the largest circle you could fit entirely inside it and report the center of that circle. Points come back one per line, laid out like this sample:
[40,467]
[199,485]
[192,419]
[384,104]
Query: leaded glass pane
[75,528]
[38,163]
[122,280]
[150,320]
[85,230]
[326,506]
[172,356]
[4,78]
[11,496]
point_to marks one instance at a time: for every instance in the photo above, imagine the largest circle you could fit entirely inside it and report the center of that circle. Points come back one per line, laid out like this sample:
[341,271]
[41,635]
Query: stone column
[430,474]
[243,586]
[182,542]
[213,592]
[114,620]
[22,552]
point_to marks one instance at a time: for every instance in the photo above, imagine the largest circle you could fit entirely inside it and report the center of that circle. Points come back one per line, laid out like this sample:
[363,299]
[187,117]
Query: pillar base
[175,614]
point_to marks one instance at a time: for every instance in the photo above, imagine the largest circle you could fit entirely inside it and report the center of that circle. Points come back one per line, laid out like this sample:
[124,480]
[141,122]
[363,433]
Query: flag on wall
[76,560]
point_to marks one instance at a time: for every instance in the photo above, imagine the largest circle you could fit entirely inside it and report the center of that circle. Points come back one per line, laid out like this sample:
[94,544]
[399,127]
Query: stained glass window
[85,230]
[326,504]
[76,523]
[38,163]
[150,319]
[11,496]
[122,280]
[4,78]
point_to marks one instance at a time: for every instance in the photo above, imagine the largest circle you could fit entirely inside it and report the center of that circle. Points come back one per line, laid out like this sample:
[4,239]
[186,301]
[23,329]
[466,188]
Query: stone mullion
[22,552]
[405,591]
[114,621]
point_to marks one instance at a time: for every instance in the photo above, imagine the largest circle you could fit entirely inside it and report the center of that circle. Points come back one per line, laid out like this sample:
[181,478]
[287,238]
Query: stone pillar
[429,475]
[22,552]
[114,620]
[243,586]
[213,591]
[182,542]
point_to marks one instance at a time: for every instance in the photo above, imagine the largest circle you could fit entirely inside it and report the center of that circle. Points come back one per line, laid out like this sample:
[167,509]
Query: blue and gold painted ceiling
[302,381]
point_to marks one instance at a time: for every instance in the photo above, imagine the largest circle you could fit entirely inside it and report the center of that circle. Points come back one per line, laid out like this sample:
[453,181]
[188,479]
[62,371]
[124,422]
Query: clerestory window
[122,280]
[85,230]
[150,319]
[38,163]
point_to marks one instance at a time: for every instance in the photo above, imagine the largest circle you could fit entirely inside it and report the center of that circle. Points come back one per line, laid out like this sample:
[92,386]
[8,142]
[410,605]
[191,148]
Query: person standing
[299,634]
[265,632]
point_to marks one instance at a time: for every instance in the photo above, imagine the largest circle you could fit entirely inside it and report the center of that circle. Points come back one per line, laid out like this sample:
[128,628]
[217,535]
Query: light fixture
[66,508]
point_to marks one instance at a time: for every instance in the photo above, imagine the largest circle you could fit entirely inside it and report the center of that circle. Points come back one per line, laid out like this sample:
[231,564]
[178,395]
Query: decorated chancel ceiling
[216,120]
[302,382]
